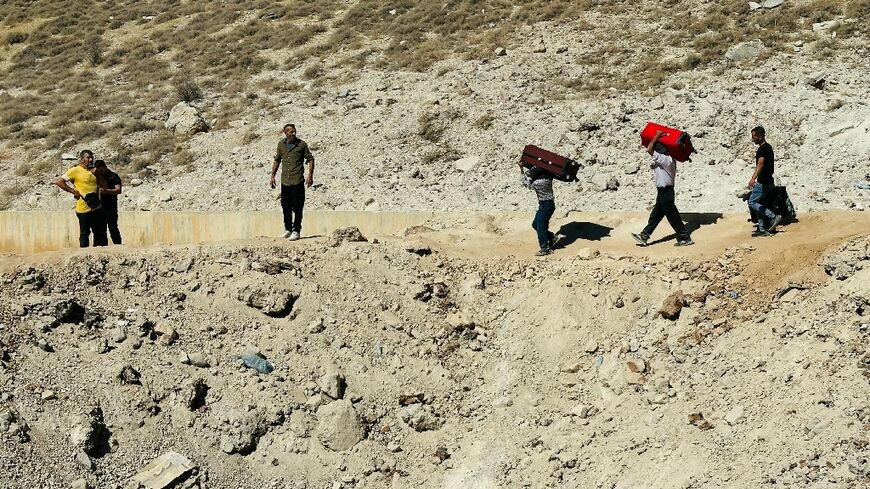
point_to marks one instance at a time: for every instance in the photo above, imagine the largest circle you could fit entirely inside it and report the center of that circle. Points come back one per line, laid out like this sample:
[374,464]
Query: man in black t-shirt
[110,189]
[761,184]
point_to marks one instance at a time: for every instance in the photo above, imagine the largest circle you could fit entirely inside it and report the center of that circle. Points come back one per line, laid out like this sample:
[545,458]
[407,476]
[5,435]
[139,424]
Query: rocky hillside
[339,363]
[414,105]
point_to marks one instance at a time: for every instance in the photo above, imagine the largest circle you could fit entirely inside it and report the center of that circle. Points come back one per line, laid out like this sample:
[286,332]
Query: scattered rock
[258,363]
[697,419]
[271,301]
[825,26]
[588,253]
[164,471]
[673,305]
[350,234]
[80,484]
[500,51]
[635,365]
[198,360]
[502,402]
[89,432]
[816,79]
[442,454]
[128,375]
[333,384]
[591,346]
[338,426]
[745,51]
[119,334]
[467,164]
[734,415]
[420,417]
[165,334]
[193,394]
[316,326]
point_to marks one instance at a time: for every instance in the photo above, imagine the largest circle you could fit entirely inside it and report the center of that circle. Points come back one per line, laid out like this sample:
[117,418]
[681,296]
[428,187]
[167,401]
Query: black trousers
[665,207]
[92,222]
[110,212]
[292,202]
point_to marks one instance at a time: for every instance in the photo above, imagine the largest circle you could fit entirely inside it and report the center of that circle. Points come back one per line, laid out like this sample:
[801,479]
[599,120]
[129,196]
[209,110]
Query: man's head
[100,167]
[758,135]
[290,131]
[661,148]
[86,158]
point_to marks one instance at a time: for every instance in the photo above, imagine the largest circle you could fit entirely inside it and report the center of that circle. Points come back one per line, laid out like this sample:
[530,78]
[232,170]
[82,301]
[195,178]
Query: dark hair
[758,130]
[83,152]
[661,148]
[99,164]
[536,173]
[289,125]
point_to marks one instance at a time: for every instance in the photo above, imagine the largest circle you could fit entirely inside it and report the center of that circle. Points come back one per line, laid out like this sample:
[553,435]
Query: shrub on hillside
[188,91]
[15,38]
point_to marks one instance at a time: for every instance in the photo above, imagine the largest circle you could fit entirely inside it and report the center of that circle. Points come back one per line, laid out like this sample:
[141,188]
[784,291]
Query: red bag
[679,143]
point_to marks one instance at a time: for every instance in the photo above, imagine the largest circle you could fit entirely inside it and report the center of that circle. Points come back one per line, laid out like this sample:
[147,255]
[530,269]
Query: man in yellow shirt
[82,183]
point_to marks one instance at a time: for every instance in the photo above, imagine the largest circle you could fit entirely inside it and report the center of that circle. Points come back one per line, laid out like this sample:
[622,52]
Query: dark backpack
[92,200]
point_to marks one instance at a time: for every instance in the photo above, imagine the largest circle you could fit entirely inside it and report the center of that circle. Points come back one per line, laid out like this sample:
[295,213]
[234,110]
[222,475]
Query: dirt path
[770,263]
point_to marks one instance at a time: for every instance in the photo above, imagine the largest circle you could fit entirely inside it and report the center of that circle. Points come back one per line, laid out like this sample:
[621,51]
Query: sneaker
[293,236]
[684,242]
[286,234]
[544,252]
[774,224]
[554,239]
[760,233]
[640,239]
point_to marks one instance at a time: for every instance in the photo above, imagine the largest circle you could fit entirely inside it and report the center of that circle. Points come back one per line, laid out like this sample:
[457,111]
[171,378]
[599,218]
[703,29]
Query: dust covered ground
[447,357]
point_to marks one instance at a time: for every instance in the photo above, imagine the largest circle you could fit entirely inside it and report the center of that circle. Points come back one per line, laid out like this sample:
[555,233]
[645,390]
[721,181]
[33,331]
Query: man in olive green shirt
[291,155]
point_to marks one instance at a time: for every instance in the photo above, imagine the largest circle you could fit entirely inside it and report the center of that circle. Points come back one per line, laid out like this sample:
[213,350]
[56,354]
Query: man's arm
[309,180]
[758,167]
[63,185]
[116,190]
[653,141]
[274,172]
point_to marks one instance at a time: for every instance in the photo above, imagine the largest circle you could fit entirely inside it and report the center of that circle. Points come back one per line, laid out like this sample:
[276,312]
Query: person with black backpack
[541,182]
[761,185]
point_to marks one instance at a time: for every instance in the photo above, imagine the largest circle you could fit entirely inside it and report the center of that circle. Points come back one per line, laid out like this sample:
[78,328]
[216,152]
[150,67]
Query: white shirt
[664,169]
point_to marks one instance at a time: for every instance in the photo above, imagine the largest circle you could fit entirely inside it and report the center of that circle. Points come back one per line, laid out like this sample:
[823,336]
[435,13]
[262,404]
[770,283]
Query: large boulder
[184,119]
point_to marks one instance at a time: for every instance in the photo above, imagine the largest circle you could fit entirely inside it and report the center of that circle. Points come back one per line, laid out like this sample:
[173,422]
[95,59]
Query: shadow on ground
[588,231]
[693,220]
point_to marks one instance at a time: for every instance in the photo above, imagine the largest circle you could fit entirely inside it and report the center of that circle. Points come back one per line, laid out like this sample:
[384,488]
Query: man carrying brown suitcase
[542,183]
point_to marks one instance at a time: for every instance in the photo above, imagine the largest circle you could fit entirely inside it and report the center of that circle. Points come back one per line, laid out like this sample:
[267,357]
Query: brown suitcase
[562,168]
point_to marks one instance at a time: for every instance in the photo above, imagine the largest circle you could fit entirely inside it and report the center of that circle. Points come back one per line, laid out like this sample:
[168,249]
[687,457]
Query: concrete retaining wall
[36,231]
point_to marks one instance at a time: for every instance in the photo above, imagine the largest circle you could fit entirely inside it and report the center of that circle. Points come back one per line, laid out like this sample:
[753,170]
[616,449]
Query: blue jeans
[759,192]
[541,224]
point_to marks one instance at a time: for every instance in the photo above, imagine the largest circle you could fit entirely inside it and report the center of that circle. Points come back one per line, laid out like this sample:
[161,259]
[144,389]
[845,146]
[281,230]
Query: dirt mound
[369,364]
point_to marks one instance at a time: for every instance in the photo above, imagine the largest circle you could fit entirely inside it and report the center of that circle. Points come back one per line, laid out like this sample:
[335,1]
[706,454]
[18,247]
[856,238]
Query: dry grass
[127,65]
